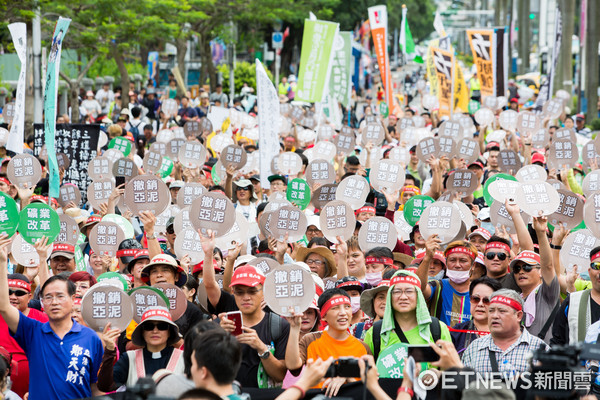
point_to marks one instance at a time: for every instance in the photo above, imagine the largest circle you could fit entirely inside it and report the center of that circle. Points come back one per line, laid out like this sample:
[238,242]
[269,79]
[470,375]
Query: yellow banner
[443,62]
[461,91]
[480,41]
[431,74]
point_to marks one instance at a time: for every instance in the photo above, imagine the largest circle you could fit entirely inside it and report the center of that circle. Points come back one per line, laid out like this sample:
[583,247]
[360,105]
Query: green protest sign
[115,279]
[390,363]
[384,110]
[341,68]
[298,193]
[123,223]
[122,144]
[486,194]
[80,264]
[315,56]
[9,214]
[38,220]
[474,105]
[414,207]
[166,167]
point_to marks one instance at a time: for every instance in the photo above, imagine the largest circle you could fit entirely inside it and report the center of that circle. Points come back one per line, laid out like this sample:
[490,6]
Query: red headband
[405,279]
[411,188]
[378,260]
[350,283]
[20,284]
[127,252]
[498,245]
[334,301]
[5,181]
[595,257]
[507,301]
[461,250]
[365,209]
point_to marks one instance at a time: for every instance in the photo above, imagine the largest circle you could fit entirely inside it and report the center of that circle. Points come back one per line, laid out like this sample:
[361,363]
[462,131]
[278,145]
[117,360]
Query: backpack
[134,130]
[276,326]
[434,327]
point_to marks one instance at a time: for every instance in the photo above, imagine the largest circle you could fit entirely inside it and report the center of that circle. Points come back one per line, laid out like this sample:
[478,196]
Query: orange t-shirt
[320,345]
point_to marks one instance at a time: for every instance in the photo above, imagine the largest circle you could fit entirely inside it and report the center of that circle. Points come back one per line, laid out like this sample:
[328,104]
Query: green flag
[406,40]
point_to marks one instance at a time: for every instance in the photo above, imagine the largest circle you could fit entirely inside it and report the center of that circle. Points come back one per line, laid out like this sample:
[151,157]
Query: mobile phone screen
[119,180]
[423,353]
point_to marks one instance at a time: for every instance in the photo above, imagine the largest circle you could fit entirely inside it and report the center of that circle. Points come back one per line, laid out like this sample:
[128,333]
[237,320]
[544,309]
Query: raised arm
[431,245]
[149,220]
[548,273]
[8,312]
[43,248]
[293,360]
[213,291]
[525,241]
[341,256]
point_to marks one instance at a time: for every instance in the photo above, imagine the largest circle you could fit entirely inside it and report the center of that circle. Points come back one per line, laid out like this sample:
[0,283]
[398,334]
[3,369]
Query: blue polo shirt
[59,369]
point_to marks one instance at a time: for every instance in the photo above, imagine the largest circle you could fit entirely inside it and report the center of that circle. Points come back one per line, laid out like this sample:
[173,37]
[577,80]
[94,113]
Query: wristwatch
[152,237]
[265,355]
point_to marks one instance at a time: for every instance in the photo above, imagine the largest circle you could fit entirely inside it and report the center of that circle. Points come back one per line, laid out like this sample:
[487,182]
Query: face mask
[355,303]
[373,278]
[437,276]
[458,276]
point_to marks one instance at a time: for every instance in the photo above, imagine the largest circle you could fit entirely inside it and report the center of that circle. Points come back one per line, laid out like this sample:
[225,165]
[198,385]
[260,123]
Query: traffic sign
[277,40]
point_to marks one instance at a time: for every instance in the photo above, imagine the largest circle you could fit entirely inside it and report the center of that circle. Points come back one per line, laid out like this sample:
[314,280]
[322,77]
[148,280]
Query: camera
[345,367]
[568,360]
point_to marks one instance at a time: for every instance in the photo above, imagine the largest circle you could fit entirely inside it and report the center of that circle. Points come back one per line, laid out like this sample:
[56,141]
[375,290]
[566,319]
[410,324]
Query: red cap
[247,275]
[63,247]
[538,157]
[529,257]
[200,266]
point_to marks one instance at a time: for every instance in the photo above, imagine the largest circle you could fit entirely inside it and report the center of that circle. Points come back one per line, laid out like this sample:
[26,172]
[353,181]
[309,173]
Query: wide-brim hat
[403,259]
[164,259]
[367,297]
[324,252]
[244,183]
[158,314]
[92,220]
[141,255]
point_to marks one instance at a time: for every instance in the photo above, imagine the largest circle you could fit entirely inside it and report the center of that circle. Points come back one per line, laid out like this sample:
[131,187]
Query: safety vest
[475,85]
[579,315]
[138,370]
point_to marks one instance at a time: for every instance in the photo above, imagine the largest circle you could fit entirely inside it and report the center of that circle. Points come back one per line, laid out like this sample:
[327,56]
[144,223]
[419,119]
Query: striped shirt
[513,359]
[450,306]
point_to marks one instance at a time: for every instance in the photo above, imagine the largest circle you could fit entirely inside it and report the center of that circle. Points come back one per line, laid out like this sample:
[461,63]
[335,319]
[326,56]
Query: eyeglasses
[595,266]
[318,263]
[313,230]
[162,326]
[61,298]
[18,293]
[408,292]
[476,299]
[251,292]
[525,267]
[501,256]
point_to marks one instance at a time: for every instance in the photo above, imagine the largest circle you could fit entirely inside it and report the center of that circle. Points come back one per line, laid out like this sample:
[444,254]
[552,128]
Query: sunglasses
[18,293]
[595,266]
[501,256]
[244,188]
[162,326]
[476,299]
[525,267]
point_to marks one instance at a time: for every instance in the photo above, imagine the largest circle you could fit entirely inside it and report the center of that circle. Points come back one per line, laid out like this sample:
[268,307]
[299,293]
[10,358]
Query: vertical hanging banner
[488,47]
[18,31]
[431,74]
[50,94]
[461,91]
[443,62]
[268,122]
[339,81]
[315,58]
[379,24]
[547,87]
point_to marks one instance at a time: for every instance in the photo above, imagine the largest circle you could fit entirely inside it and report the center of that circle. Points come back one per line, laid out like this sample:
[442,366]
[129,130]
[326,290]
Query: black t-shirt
[247,374]
[191,317]
[508,282]
[560,328]
[226,304]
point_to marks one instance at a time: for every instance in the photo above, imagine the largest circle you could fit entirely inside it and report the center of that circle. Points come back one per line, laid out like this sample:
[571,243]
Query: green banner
[38,220]
[50,94]
[9,214]
[341,68]
[414,208]
[486,194]
[122,144]
[316,55]
[298,193]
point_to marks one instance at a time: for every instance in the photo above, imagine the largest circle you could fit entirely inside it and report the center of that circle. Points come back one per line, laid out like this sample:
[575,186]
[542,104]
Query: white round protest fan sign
[192,154]
[499,217]
[508,120]
[325,150]
[531,172]
[484,116]
[337,219]
[496,136]
[325,132]
[164,136]
[404,228]
[219,142]
[187,242]
[238,233]
[537,198]
[591,183]
[289,286]
[503,189]
[212,211]
[24,253]
[440,218]
[400,154]
[576,249]
[354,190]
[377,232]
[490,102]
[569,212]
[288,220]
[388,175]
[169,107]
[289,163]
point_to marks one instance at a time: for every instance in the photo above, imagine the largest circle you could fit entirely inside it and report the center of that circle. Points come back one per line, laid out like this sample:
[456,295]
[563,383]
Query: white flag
[18,31]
